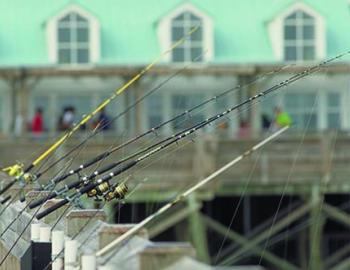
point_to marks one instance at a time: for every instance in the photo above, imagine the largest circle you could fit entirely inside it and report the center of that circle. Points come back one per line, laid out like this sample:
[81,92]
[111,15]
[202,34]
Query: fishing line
[25,207]
[202,124]
[95,131]
[84,226]
[189,132]
[154,129]
[237,207]
[235,256]
[132,231]
[131,106]
[315,103]
[18,172]
[27,225]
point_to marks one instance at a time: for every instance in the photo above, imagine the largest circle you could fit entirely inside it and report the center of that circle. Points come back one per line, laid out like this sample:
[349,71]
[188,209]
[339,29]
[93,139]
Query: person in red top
[38,122]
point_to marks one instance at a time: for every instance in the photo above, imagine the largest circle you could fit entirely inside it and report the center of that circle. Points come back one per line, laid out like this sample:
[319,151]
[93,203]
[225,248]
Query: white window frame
[276,31]
[165,27]
[94,35]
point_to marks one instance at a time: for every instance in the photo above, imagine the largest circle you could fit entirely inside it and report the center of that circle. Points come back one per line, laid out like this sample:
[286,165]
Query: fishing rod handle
[89,186]
[52,208]
[86,189]
[104,178]
[29,168]
[7,186]
[52,195]
[41,200]
[3,201]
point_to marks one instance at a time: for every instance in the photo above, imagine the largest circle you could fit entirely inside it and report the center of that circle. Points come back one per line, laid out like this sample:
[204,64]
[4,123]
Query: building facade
[76,53]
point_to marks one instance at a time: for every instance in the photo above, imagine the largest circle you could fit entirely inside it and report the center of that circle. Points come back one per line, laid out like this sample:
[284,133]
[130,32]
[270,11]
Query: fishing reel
[118,192]
[15,170]
[99,191]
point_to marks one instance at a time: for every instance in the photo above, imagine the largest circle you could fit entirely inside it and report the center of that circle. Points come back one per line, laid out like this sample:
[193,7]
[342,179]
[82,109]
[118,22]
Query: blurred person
[244,130]
[103,121]
[66,120]
[19,124]
[37,125]
[282,118]
[265,122]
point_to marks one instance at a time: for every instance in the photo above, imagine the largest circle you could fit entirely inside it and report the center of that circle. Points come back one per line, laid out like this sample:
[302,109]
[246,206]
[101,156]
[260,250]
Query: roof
[129,28]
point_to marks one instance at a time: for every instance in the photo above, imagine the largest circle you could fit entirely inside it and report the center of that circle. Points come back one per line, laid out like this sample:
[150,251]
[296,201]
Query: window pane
[291,100]
[309,53]
[179,55]
[80,18]
[333,100]
[306,16]
[310,121]
[83,56]
[195,18]
[196,54]
[155,104]
[333,120]
[292,16]
[296,120]
[64,56]
[290,53]
[66,18]
[64,35]
[82,35]
[308,100]
[197,35]
[302,109]
[308,32]
[183,102]
[177,33]
[181,17]
[155,110]
[290,32]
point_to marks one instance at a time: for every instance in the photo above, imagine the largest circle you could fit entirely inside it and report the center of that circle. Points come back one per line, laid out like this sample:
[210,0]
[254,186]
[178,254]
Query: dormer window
[298,34]
[299,37]
[192,48]
[197,47]
[73,37]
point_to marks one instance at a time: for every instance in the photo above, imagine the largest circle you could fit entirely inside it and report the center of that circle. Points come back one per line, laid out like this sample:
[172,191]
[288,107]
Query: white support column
[88,262]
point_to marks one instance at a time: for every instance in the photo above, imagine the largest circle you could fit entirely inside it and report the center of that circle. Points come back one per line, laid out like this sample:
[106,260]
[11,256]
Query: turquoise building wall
[129,28]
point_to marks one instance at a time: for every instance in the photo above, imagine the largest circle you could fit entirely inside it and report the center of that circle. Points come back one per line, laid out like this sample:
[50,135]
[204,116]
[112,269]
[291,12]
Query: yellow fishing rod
[24,176]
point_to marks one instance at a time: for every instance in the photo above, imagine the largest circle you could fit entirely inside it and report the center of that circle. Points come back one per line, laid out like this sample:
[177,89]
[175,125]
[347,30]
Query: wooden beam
[170,220]
[267,255]
[296,214]
[337,214]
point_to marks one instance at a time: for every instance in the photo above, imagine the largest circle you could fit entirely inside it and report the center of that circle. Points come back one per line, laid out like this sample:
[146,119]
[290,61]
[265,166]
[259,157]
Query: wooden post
[198,231]
[316,229]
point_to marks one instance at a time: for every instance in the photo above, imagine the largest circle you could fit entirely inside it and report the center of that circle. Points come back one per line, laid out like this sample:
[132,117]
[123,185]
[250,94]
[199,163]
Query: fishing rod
[185,194]
[18,215]
[100,128]
[31,203]
[128,108]
[90,186]
[23,174]
[130,164]
[179,197]
[107,153]
[119,207]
